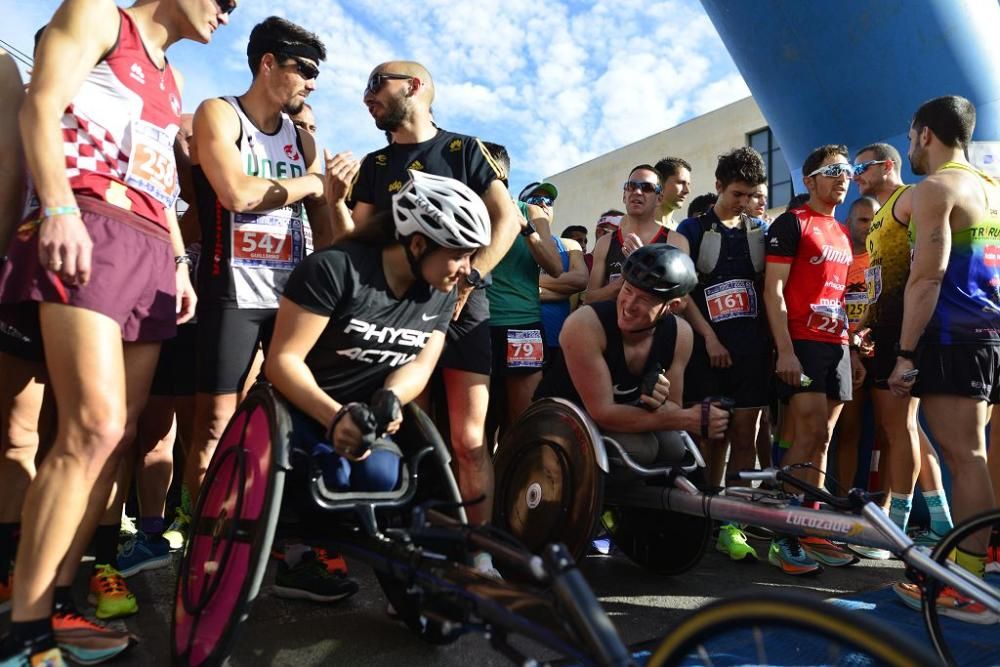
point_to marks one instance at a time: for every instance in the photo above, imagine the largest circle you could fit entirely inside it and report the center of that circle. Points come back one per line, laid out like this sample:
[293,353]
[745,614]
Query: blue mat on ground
[971,644]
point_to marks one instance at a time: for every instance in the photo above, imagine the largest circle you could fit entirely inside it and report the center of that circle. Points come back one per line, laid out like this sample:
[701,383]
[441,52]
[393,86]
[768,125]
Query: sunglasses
[539,200]
[645,187]
[378,79]
[863,167]
[306,70]
[835,170]
[226,6]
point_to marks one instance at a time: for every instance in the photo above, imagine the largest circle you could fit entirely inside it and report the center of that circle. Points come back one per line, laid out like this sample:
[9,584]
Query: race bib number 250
[151,165]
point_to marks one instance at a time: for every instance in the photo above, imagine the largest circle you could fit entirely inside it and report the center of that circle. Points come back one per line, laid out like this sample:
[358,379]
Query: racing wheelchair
[416,538]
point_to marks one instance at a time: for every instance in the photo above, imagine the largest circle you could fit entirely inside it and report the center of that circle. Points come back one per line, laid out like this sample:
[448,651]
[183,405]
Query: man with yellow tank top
[910,455]
[951,318]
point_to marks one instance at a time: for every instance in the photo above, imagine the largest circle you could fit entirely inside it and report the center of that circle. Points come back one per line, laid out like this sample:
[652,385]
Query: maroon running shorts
[132,277]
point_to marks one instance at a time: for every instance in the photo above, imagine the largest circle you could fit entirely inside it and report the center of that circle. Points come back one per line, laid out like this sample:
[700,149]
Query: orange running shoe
[110,594]
[87,642]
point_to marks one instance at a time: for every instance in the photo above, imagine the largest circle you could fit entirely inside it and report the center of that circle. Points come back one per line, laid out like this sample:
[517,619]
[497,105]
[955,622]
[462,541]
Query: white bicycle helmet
[444,210]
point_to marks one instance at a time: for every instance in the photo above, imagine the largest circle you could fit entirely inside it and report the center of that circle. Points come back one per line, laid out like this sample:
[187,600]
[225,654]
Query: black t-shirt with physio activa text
[371,333]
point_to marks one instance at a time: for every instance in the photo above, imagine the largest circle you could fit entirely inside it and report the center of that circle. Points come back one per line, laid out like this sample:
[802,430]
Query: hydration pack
[710,249]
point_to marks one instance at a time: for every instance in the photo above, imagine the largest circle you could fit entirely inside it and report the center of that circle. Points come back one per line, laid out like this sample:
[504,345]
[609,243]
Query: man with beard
[808,254]
[399,97]
[254,172]
[951,319]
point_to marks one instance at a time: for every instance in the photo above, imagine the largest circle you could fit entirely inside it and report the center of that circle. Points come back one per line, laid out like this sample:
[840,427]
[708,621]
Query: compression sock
[974,563]
[937,505]
[106,545]
[899,509]
[63,601]
[152,526]
[8,547]
[36,636]
[294,553]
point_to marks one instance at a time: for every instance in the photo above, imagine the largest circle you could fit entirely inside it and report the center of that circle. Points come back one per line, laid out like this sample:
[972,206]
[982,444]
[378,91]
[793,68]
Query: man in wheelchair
[623,361]
[360,329]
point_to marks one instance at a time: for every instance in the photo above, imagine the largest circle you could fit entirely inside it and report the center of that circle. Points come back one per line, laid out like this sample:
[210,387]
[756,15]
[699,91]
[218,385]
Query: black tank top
[626,387]
[615,259]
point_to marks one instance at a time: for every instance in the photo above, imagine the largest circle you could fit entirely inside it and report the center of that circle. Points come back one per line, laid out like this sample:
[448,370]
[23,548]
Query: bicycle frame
[867,524]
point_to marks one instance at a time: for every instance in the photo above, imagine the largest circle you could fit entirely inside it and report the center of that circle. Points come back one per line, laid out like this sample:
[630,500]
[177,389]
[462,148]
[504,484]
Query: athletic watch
[528,229]
[475,279]
[909,355]
[184,259]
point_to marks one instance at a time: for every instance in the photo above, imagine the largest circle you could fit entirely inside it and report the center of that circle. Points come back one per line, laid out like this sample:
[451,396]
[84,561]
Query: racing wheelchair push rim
[231,532]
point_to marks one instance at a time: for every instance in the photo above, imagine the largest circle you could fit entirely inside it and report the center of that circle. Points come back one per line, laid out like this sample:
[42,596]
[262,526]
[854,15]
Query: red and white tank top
[819,251]
[119,130]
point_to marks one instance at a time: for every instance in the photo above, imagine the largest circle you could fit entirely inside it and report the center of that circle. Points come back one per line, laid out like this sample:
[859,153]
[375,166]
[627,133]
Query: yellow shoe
[110,595]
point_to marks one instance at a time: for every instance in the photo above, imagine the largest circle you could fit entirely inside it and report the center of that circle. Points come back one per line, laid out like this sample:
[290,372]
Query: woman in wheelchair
[623,360]
[360,329]
[358,333]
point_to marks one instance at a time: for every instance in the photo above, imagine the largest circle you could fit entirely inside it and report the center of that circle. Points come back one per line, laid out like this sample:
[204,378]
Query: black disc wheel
[549,482]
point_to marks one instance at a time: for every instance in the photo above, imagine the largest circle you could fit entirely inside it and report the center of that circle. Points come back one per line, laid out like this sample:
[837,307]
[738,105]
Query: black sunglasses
[306,70]
[226,6]
[644,187]
[378,79]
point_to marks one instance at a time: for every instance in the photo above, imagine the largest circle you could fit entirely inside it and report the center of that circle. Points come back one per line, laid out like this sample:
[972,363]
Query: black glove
[363,418]
[649,380]
[386,408]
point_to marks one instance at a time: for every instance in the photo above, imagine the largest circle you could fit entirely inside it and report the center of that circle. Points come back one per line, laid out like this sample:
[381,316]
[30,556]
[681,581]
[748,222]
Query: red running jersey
[819,251]
[119,130]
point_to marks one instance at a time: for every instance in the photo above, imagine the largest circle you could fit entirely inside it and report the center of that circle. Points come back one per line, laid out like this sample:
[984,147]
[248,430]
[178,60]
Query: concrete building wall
[588,189]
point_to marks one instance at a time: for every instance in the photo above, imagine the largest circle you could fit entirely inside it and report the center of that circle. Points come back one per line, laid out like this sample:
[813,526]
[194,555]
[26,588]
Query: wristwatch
[909,355]
[528,229]
[475,279]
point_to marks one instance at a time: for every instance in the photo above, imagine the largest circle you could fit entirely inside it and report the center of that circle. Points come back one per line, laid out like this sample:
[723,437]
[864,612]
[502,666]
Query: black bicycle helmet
[661,270]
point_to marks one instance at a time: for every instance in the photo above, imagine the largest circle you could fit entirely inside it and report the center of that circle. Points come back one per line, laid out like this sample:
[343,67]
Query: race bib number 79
[524,348]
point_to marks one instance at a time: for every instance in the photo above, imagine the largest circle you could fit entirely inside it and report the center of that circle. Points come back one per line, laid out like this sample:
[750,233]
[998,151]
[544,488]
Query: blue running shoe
[142,553]
[786,553]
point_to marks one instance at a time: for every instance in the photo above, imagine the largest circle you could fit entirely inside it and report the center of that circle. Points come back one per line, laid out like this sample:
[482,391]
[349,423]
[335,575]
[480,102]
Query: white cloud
[557,81]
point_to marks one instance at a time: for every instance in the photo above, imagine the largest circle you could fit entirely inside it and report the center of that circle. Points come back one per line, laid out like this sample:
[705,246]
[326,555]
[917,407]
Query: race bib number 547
[266,241]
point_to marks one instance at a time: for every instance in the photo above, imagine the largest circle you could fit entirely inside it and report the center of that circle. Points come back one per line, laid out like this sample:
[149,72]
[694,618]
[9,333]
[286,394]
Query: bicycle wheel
[231,533]
[661,541]
[784,629]
[986,527]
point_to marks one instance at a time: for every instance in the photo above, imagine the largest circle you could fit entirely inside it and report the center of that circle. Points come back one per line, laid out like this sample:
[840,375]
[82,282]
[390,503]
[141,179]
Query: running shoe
[872,553]
[127,528]
[13,657]
[601,545]
[786,553]
[733,543]
[949,603]
[310,580]
[758,532]
[176,532]
[110,595]
[87,642]
[142,553]
[926,538]
[333,561]
[825,552]
[993,559]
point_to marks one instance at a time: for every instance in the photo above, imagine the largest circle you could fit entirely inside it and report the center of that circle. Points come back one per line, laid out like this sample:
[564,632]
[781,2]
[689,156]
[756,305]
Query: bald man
[399,97]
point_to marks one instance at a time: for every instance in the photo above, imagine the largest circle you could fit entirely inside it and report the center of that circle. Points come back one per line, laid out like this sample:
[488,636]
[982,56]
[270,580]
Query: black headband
[278,47]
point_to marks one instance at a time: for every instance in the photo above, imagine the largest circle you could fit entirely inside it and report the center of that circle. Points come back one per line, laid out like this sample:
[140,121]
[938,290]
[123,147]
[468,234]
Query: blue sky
[556,81]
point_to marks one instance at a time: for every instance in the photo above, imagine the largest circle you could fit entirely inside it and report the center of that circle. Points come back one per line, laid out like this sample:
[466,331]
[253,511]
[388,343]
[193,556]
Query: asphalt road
[357,631]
